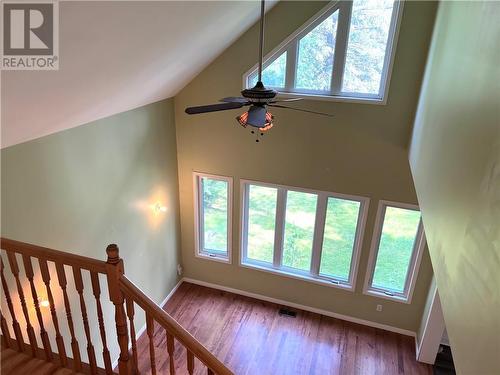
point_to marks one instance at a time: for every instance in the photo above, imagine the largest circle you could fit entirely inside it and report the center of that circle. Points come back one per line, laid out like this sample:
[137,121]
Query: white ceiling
[115,56]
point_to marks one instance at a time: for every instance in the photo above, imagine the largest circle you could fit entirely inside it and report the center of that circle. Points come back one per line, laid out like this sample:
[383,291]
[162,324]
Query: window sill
[214,257]
[281,272]
[379,294]
[331,98]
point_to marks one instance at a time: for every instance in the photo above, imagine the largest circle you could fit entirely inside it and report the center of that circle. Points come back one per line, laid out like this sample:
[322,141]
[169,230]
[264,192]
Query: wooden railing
[123,294]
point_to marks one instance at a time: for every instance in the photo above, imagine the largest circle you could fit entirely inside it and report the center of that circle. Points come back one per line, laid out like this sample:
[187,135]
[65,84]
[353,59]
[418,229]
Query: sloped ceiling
[115,56]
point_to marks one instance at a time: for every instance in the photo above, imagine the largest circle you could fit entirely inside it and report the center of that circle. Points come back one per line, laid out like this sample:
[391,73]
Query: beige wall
[362,150]
[455,159]
[84,188]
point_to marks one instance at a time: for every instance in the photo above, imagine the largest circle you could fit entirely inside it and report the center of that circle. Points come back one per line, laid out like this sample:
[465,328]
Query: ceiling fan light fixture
[243,121]
[269,122]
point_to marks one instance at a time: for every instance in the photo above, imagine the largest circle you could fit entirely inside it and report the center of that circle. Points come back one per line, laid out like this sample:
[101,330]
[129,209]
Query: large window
[213,209]
[302,233]
[343,52]
[397,248]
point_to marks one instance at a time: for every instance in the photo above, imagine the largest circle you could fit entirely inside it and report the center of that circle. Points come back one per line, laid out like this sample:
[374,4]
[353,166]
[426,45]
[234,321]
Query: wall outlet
[379,307]
[179,270]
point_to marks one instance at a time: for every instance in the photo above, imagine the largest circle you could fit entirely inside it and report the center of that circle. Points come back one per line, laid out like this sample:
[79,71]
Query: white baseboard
[143,328]
[303,307]
[163,303]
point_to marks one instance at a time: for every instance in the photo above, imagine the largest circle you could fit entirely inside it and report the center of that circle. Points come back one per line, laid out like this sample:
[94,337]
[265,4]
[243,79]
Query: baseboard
[162,303]
[348,318]
[417,347]
[139,333]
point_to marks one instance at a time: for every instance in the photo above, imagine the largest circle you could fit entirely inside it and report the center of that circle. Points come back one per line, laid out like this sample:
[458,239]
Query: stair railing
[124,295]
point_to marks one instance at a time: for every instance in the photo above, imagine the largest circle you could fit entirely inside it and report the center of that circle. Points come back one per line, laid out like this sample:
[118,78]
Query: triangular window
[344,51]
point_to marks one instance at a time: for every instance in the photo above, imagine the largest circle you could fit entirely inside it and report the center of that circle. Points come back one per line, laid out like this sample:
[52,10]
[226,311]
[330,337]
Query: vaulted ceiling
[115,56]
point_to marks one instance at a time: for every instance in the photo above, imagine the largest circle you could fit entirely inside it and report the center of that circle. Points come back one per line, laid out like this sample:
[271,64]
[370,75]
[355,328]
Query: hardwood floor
[250,337]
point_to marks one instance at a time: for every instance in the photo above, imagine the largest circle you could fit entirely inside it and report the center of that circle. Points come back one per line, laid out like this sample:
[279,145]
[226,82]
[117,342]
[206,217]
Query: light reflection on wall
[153,208]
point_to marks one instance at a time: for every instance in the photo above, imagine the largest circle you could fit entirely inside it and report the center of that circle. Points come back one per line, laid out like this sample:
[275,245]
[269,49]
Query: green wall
[455,160]
[81,189]
[362,150]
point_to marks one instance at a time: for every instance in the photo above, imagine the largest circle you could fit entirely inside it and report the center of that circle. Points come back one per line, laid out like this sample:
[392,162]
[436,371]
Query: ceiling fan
[258,98]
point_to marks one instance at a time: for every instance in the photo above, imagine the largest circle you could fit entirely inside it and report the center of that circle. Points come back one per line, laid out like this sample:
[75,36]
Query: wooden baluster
[114,270]
[150,330]
[15,324]
[96,289]
[7,340]
[75,348]
[28,269]
[77,275]
[29,328]
[44,269]
[130,314]
[190,361]
[170,350]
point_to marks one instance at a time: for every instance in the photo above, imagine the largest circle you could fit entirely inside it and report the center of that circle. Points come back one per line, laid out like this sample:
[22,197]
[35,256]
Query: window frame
[291,44]
[416,258]
[199,251]
[321,206]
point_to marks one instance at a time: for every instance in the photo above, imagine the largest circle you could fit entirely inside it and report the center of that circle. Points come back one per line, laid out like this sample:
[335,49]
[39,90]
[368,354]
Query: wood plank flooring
[250,337]
[16,363]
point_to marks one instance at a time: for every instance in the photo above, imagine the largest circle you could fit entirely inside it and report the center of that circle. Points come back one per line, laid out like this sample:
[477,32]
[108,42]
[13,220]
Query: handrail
[174,328]
[122,293]
[58,256]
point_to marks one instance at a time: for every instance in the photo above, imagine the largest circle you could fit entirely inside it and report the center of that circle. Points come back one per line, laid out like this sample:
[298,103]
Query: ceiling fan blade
[234,99]
[286,100]
[213,108]
[301,110]
[257,116]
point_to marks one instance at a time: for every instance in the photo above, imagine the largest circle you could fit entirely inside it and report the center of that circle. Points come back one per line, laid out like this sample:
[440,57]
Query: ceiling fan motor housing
[259,93]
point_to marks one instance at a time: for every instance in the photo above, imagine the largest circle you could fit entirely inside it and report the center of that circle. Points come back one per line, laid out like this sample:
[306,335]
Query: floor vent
[286,312]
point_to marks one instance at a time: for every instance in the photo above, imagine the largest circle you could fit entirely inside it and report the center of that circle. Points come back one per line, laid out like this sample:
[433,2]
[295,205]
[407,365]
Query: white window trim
[414,266]
[199,251]
[275,268]
[290,45]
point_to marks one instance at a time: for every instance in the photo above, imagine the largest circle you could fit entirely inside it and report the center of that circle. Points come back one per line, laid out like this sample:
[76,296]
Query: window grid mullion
[280,228]
[319,228]
[390,46]
[201,208]
[291,65]
[339,58]
[246,198]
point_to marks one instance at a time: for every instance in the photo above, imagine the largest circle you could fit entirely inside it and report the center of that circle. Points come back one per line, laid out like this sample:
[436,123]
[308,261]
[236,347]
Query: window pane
[261,222]
[338,241]
[395,249]
[299,229]
[366,48]
[274,74]
[315,59]
[214,220]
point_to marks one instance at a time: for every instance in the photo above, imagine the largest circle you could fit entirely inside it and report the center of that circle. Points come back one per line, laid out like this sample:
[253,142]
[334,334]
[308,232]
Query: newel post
[114,270]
